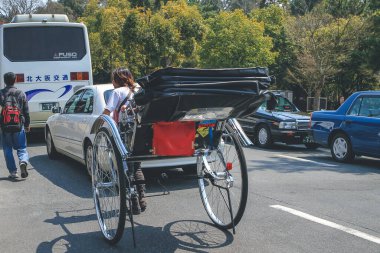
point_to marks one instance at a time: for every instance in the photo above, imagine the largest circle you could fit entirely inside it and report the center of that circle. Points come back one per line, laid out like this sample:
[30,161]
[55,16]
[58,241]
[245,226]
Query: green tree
[55,7]
[301,7]
[169,37]
[104,27]
[360,70]
[74,7]
[323,45]
[245,5]
[372,41]
[154,5]
[208,8]
[274,18]
[234,40]
[10,8]
[345,8]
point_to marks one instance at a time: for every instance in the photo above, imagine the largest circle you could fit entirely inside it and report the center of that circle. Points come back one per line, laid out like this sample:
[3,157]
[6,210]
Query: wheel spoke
[214,190]
[108,188]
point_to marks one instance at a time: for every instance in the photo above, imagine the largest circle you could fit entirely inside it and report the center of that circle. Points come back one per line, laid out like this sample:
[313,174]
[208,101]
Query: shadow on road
[35,138]
[174,180]
[71,176]
[64,173]
[189,235]
[360,166]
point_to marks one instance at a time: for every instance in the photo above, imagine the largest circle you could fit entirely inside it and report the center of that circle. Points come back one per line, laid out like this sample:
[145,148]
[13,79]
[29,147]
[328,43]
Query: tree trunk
[317,96]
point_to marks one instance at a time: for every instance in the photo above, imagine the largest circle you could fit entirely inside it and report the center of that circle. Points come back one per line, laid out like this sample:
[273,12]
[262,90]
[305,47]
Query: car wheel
[51,151]
[88,157]
[311,145]
[190,169]
[341,149]
[263,137]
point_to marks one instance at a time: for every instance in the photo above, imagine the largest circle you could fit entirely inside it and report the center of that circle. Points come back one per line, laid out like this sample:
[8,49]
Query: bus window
[63,43]
[51,60]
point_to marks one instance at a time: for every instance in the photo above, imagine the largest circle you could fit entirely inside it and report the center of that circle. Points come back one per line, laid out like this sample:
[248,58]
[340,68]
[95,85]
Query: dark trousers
[138,177]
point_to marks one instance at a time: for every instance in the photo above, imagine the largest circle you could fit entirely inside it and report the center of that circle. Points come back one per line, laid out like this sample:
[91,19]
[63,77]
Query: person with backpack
[14,121]
[125,88]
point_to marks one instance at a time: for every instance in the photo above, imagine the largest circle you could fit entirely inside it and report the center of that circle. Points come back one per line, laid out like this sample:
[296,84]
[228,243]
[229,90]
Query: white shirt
[117,97]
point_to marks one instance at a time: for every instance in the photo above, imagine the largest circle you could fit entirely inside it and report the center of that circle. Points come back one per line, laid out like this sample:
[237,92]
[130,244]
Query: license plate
[48,106]
[307,139]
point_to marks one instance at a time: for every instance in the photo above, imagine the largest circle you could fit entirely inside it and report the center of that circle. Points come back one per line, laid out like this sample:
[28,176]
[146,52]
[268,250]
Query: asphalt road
[299,201]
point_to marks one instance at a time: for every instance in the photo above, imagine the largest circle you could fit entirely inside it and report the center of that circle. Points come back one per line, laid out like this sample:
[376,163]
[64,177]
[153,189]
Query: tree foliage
[346,8]
[323,47]
[301,7]
[104,27]
[55,7]
[324,44]
[74,7]
[274,18]
[169,37]
[9,8]
[234,40]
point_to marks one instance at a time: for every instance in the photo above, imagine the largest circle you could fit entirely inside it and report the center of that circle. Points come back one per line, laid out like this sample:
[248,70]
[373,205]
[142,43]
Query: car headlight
[287,125]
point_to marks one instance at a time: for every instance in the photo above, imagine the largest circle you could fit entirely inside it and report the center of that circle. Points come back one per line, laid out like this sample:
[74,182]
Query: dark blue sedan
[353,129]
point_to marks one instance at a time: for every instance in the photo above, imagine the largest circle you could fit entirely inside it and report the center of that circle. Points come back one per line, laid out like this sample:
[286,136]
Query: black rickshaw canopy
[172,94]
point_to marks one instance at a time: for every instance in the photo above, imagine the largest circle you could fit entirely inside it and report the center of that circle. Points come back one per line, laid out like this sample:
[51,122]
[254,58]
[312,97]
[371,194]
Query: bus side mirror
[56,109]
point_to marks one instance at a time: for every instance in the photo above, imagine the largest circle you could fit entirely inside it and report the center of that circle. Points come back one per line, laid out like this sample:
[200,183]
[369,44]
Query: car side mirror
[56,109]
[271,102]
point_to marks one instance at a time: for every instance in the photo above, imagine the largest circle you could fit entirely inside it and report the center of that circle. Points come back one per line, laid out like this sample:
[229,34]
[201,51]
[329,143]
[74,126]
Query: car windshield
[283,105]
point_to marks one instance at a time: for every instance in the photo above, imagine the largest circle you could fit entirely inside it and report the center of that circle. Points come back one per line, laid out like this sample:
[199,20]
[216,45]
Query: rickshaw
[179,113]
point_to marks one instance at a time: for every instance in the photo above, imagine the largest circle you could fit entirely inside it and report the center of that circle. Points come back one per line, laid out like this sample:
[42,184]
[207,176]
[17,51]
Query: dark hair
[9,78]
[123,77]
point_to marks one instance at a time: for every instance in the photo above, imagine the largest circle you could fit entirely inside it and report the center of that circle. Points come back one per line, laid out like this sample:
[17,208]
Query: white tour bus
[50,57]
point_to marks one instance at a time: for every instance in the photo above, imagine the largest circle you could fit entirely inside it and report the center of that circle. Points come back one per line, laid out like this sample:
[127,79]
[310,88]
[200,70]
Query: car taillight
[20,78]
[76,76]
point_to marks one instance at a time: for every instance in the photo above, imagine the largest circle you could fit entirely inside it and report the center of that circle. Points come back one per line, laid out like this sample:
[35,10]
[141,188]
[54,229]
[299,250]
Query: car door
[81,116]
[69,121]
[362,123]
[249,122]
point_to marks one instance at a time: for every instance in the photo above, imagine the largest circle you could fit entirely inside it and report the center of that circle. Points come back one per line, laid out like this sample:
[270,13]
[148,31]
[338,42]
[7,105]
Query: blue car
[352,129]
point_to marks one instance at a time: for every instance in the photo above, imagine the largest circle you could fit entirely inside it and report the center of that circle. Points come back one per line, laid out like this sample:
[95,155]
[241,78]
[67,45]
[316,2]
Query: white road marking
[329,224]
[305,160]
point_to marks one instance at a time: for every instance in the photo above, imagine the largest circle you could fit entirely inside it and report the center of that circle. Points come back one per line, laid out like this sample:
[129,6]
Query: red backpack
[11,116]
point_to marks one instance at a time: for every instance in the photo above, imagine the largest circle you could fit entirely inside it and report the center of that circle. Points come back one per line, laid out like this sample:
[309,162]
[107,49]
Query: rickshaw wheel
[109,186]
[214,192]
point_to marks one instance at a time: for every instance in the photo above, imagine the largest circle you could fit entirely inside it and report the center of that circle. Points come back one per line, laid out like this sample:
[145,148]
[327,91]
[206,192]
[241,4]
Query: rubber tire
[122,190]
[86,149]
[269,141]
[244,186]
[312,146]
[52,153]
[349,155]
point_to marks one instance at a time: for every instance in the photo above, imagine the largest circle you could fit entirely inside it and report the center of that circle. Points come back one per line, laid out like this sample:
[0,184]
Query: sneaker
[24,172]
[13,175]
[135,206]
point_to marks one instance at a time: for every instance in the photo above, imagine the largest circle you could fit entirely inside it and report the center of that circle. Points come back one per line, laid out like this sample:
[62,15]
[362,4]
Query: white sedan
[68,132]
